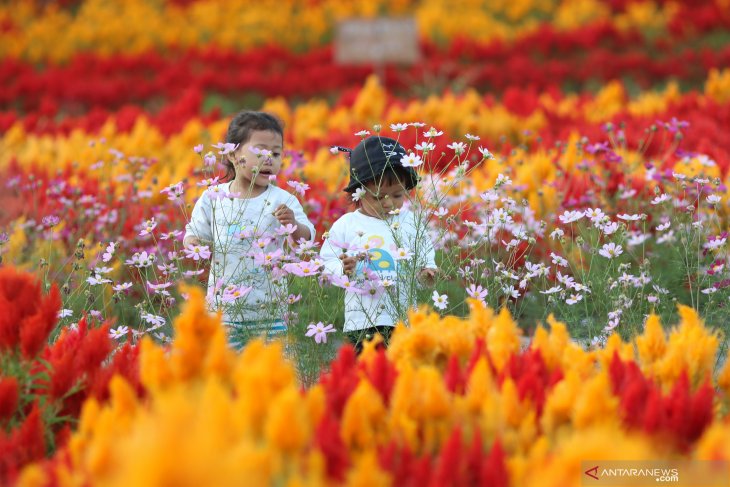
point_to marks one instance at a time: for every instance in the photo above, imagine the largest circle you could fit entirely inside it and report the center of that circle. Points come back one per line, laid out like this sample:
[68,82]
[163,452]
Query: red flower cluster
[42,386]
[457,463]
[91,88]
[680,417]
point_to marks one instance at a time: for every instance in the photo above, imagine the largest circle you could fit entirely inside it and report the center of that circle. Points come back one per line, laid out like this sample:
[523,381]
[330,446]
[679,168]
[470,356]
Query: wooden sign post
[377,41]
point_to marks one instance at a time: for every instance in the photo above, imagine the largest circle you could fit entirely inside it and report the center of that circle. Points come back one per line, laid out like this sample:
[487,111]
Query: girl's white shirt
[235,226]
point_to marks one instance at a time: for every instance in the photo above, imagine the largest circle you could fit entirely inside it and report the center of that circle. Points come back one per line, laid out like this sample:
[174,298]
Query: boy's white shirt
[357,229]
[217,220]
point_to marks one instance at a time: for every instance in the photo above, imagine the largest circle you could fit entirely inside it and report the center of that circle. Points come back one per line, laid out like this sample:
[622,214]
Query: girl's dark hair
[241,127]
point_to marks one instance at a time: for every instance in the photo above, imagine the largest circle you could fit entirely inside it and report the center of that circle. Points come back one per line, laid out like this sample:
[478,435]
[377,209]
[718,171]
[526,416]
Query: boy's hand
[349,263]
[285,215]
[428,276]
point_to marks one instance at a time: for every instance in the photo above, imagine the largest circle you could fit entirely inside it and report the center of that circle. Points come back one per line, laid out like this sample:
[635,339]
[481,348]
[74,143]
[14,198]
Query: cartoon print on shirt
[380,260]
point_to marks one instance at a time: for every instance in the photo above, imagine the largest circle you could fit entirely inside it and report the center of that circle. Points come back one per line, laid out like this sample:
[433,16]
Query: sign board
[377,41]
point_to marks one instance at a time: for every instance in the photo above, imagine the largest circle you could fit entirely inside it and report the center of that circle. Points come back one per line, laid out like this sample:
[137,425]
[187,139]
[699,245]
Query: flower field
[573,160]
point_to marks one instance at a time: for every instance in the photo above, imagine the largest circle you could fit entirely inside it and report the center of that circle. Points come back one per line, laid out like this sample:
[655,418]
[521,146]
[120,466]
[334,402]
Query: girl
[381,244]
[244,220]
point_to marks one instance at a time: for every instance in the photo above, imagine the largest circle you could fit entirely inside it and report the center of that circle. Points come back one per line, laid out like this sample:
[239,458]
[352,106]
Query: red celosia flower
[24,445]
[531,376]
[8,398]
[28,317]
[328,440]
[341,381]
[682,416]
[381,373]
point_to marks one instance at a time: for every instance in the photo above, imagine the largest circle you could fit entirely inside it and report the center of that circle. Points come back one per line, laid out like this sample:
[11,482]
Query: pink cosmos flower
[148,227]
[300,188]
[225,148]
[319,331]
[477,292]
[302,269]
[232,292]
[197,252]
[174,192]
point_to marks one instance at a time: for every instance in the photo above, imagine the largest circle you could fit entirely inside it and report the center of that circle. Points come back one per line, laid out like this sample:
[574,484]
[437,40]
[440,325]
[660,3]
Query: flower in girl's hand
[319,331]
[300,188]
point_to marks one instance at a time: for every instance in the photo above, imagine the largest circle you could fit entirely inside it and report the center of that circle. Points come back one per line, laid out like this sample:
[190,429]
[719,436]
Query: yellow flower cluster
[717,86]
[213,418]
[310,123]
[134,26]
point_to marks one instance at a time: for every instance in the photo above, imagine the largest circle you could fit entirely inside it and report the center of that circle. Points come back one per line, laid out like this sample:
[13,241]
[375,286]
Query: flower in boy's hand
[319,331]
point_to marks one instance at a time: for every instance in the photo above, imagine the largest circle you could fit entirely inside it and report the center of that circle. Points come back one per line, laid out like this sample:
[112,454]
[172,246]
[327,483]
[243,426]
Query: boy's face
[382,197]
[259,158]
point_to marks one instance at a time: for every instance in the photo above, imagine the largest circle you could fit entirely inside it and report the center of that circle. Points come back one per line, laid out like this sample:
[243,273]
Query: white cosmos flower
[485,153]
[571,216]
[713,199]
[440,301]
[661,199]
[425,147]
[458,147]
[411,160]
[627,217]
[611,250]
[358,194]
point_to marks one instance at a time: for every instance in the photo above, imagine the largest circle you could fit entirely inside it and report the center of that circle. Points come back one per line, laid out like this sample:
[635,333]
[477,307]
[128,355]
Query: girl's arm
[331,254]
[199,229]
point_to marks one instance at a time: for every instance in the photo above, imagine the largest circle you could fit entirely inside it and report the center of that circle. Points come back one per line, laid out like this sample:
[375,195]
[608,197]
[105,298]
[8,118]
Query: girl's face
[259,158]
[382,197]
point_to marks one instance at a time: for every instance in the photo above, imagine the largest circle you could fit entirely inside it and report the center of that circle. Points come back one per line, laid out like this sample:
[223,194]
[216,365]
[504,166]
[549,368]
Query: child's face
[259,158]
[382,197]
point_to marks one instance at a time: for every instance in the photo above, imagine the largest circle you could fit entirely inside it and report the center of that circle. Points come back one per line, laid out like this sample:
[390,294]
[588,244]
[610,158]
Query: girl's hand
[285,215]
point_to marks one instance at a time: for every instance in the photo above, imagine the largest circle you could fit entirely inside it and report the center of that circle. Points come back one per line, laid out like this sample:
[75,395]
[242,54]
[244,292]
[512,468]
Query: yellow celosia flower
[595,403]
[652,344]
[560,402]
[607,102]
[503,338]
[571,14]
[717,85]
[367,473]
[691,348]
[647,16]
[364,419]
[562,466]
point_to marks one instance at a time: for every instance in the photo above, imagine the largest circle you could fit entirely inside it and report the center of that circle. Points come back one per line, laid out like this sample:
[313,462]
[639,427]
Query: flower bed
[452,402]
